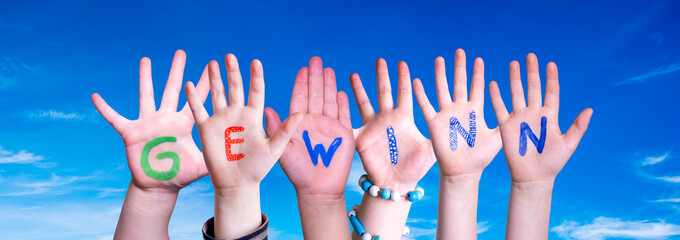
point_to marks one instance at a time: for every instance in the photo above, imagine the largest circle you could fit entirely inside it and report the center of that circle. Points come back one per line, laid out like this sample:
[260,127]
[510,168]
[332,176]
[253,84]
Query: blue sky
[63,171]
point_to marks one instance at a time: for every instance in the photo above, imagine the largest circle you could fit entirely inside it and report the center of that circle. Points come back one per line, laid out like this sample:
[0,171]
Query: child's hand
[462,142]
[160,150]
[393,151]
[325,131]
[534,146]
[236,148]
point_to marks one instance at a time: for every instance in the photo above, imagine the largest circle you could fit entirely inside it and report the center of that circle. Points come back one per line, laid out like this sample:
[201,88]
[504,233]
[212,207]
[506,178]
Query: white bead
[396,196]
[366,236]
[362,179]
[352,213]
[406,231]
[373,190]
[421,190]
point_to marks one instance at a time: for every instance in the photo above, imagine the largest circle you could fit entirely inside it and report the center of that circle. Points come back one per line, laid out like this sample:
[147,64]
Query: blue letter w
[456,127]
[319,150]
[525,131]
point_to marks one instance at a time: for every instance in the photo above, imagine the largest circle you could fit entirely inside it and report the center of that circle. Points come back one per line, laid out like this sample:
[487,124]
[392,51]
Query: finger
[576,131]
[385,102]
[195,104]
[202,90]
[299,99]
[363,102]
[404,93]
[443,95]
[552,87]
[174,84]
[516,89]
[281,137]
[460,77]
[533,82]
[343,110]
[219,100]
[497,102]
[330,92]
[477,85]
[117,121]
[234,80]
[315,86]
[256,95]
[272,121]
[147,104]
[423,102]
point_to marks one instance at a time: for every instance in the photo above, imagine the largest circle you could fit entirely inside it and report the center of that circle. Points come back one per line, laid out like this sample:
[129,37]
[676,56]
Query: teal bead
[414,196]
[365,185]
[385,194]
[376,238]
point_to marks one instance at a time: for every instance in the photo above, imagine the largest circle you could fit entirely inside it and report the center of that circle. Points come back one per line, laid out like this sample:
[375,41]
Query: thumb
[272,121]
[576,131]
[280,138]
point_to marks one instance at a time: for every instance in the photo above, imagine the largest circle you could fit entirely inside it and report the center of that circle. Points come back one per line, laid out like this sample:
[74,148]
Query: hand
[401,167]
[176,161]
[236,149]
[463,156]
[326,121]
[544,158]
[318,157]
[250,153]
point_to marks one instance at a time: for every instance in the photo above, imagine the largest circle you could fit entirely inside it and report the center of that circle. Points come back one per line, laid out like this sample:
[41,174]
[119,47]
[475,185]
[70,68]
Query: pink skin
[533,175]
[415,151]
[237,205]
[320,190]
[460,170]
[149,202]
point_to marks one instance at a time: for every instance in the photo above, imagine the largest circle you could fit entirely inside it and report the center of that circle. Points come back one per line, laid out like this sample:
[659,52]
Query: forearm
[323,216]
[529,210]
[237,211]
[145,214]
[383,217]
[457,216]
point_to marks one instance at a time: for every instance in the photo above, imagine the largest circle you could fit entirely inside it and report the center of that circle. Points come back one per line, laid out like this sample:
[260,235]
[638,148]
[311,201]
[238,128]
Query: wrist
[319,199]
[534,186]
[466,178]
[152,200]
[237,211]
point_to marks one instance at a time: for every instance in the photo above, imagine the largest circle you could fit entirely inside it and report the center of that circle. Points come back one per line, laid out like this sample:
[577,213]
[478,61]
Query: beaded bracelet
[359,229]
[373,190]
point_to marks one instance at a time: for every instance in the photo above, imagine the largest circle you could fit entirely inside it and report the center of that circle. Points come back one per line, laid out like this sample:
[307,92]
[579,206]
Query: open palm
[326,121]
[251,154]
[151,140]
[536,163]
[455,154]
[397,167]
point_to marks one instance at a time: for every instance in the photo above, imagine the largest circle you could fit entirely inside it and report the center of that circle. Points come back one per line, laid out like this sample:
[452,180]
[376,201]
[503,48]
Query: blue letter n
[525,131]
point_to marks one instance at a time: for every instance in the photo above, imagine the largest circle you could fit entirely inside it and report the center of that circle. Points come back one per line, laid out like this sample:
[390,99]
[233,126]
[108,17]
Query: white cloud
[603,227]
[671,179]
[651,160]
[354,174]
[21,157]
[12,70]
[667,200]
[55,115]
[54,186]
[656,72]
[108,192]
[483,227]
